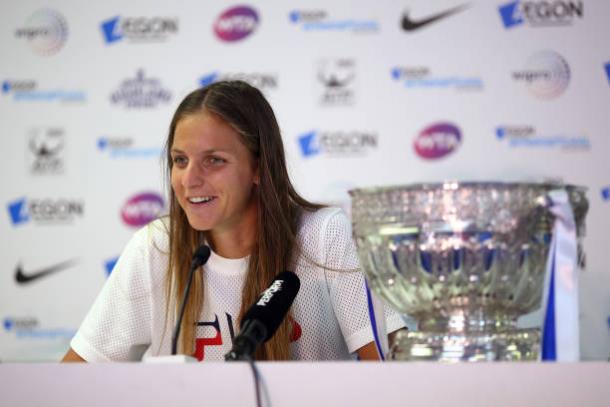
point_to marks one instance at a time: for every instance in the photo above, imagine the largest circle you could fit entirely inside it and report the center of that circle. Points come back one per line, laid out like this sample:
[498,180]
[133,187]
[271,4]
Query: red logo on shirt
[216,340]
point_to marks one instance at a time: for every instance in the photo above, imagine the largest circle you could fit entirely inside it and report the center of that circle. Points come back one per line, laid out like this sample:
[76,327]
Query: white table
[306,384]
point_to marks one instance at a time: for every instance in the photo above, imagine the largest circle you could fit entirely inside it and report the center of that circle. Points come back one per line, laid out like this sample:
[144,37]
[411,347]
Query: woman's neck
[239,240]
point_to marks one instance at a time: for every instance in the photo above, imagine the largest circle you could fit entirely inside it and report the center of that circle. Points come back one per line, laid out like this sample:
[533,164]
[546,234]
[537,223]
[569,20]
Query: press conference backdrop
[366,93]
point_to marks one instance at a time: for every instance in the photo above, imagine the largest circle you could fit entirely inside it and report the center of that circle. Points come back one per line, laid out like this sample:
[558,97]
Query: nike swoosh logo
[23,278]
[410,25]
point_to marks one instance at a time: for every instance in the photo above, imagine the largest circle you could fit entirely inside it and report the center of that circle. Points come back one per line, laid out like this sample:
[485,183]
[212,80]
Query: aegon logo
[236,23]
[268,294]
[142,209]
[437,141]
[541,13]
[262,81]
[337,142]
[44,210]
[525,136]
[141,29]
[606,193]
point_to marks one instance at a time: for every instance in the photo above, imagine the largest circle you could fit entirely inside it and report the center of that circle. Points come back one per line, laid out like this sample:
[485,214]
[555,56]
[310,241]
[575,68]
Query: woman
[230,189]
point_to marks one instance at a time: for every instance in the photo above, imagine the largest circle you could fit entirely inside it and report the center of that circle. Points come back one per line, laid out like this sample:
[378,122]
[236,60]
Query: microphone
[200,257]
[264,317]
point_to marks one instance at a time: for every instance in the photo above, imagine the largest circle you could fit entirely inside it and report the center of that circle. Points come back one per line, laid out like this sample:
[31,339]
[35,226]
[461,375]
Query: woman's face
[213,174]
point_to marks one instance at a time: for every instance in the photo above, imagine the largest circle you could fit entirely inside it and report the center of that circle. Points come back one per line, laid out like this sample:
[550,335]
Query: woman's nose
[192,176]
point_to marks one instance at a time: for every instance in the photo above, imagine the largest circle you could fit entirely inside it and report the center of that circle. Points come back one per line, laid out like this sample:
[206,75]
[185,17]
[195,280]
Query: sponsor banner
[27,90]
[541,13]
[45,31]
[437,141]
[45,151]
[526,136]
[140,92]
[337,143]
[411,24]
[337,81]
[118,147]
[29,328]
[262,80]
[138,29]
[45,211]
[236,23]
[546,75]
[321,20]
[421,77]
[142,208]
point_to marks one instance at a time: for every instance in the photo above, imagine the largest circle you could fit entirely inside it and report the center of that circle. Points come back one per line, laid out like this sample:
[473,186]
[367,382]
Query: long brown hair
[279,208]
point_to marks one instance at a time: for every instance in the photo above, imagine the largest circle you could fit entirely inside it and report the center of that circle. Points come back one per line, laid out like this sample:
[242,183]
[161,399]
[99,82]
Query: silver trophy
[465,260]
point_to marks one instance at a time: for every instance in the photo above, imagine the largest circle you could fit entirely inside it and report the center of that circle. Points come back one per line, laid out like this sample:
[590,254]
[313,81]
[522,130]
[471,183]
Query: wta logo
[142,209]
[437,141]
[236,23]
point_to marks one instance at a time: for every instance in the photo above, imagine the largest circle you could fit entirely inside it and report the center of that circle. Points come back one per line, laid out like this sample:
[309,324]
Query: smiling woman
[230,189]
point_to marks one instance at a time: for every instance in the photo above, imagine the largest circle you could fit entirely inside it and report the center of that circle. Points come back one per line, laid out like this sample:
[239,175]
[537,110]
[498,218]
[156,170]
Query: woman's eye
[179,160]
[215,161]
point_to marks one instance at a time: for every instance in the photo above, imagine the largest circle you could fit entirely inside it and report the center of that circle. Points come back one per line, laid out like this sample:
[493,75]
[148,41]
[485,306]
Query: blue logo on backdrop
[109,29]
[18,211]
[526,137]
[337,143]
[44,211]
[29,328]
[540,13]
[317,20]
[606,193]
[123,147]
[420,77]
[309,144]
[109,265]
[138,29]
[27,91]
[260,80]
[607,67]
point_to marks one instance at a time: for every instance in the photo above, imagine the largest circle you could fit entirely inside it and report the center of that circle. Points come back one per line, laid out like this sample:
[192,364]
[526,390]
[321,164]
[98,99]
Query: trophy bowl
[464,259]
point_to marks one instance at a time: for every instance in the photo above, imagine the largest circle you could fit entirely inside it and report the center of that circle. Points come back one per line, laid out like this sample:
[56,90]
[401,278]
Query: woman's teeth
[200,199]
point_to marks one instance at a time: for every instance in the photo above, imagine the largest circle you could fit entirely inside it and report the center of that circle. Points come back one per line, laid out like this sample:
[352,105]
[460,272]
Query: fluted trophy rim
[454,184]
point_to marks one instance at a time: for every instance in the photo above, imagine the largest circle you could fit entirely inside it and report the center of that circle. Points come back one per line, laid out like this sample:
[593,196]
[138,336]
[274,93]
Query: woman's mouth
[200,200]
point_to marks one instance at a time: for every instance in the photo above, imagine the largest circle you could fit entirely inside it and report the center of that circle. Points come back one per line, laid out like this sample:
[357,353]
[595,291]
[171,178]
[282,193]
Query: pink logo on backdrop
[142,208]
[236,23]
[437,140]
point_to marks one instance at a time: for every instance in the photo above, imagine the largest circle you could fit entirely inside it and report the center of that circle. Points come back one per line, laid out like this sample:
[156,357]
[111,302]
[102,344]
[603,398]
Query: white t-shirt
[331,315]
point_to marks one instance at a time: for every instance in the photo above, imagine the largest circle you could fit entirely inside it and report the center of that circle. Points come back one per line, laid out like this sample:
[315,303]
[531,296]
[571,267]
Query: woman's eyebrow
[208,151]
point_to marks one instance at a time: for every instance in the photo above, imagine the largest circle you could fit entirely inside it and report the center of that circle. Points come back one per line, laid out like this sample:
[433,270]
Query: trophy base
[514,345]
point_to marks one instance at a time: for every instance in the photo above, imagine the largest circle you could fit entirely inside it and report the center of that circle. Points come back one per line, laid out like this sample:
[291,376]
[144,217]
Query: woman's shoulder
[324,222]
[154,235]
